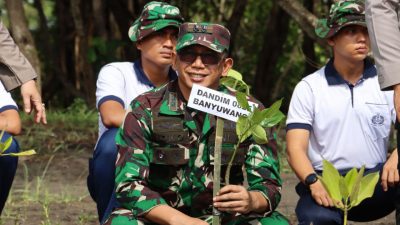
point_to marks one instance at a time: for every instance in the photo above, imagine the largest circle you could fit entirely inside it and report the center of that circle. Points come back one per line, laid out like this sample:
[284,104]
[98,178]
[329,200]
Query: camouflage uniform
[166,157]
[342,13]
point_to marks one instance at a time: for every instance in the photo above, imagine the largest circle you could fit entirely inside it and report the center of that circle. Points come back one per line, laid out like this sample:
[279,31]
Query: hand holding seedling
[237,199]
[320,195]
[349,191]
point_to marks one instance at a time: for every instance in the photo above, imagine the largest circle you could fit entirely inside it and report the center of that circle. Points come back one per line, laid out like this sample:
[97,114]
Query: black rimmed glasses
[208,58]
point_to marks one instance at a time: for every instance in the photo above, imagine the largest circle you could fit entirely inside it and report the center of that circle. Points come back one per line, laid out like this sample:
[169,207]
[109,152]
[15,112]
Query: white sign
[216,103]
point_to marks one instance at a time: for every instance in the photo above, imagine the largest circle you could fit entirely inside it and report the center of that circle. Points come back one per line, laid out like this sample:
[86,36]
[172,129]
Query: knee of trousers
[106,146]
[324,216]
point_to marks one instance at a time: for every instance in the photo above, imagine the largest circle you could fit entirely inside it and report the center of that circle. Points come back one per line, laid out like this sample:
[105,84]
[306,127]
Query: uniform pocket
[375,120]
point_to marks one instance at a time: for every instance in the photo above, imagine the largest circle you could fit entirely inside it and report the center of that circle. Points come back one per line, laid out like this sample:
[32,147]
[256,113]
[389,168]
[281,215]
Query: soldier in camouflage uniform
[154,33]
[164,171]
[339,113]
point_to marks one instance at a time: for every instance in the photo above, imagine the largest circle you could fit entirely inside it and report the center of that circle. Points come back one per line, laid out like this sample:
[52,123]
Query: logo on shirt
[377,120]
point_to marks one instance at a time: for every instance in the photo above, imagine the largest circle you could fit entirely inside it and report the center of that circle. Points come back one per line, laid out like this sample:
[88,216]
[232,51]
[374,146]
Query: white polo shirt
[349,124]
[122,82]
[6,101]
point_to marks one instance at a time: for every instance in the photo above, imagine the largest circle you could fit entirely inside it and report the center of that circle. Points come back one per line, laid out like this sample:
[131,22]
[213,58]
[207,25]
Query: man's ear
[138,45]
[331,41]
[227,65]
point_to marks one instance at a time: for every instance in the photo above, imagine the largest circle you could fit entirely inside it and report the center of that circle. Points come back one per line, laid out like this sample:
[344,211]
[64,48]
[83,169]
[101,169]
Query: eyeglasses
[207,58]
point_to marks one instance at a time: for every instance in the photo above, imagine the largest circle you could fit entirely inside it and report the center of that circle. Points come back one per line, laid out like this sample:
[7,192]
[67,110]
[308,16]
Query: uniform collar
[334,78]
[137,65]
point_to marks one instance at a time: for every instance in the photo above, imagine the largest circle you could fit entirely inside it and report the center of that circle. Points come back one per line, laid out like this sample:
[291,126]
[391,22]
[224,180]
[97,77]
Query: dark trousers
[379,205]
[8,167]
[101,177]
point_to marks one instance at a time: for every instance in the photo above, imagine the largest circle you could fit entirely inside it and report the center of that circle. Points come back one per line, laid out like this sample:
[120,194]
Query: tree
[22,36]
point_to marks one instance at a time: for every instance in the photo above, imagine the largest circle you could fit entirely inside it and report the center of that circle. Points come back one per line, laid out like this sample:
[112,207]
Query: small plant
[253,125]
[7,143]
[349,191]
[255,122]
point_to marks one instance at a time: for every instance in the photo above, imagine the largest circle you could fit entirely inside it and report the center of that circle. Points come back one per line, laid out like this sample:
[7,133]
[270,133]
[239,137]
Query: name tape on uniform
[216,103]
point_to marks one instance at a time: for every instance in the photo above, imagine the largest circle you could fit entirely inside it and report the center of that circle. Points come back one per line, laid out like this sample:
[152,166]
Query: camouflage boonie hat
[155,16]
[341,14]
[213,36]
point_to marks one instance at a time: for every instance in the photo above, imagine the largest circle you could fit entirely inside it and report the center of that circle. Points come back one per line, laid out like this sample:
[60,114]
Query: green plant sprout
[7,143]
[255,122]
[349,191]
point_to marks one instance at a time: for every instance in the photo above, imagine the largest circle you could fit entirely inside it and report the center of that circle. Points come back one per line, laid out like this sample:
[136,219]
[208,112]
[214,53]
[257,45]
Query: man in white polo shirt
[340,114]
[155,33]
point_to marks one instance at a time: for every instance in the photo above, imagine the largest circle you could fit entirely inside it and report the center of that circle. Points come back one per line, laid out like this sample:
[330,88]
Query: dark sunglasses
[208,58]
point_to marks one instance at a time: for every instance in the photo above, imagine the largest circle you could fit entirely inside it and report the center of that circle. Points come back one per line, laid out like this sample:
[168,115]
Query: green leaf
[242,100]
[237,85]
[259,135]
[344,192]
[235,74]
[257,116]
[274,108]
[367,187]
[274,120]
[24,153]
[330,179]
[243,128]
[7,144]
[350,180]
[357,185]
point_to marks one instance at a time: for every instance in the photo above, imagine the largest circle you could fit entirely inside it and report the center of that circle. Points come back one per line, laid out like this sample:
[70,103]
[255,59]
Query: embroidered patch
[377,120]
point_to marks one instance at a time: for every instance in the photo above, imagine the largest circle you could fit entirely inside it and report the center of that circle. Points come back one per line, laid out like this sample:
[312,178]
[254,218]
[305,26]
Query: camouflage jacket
[166,157]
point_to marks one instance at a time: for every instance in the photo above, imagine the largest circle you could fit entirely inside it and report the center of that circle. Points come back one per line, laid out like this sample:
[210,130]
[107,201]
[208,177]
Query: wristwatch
[310,179]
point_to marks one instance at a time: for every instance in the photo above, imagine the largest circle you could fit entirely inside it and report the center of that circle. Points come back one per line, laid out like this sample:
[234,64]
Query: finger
[229,188]
[44,118]
[229,204]
[226,197]
[41,117]
[384,180]
[39,109]
[324,202]
[330,202]
[27,104]
[390,180]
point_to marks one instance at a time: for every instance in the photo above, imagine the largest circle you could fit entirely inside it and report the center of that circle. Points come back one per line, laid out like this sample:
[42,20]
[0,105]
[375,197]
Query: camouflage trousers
[125,217]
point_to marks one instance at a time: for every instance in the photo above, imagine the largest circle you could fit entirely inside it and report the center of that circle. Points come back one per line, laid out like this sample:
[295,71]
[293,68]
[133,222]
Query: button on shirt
[349,124]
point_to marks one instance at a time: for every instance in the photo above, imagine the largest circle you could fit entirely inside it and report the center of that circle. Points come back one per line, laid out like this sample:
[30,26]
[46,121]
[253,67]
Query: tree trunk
[84,81]
[234,21]
[275,36]
[124,20]
[303,17]
[100,15]
[22,36]
[308,46]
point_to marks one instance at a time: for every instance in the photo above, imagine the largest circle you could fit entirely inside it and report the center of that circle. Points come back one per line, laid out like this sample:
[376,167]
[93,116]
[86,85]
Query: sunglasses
[208,58]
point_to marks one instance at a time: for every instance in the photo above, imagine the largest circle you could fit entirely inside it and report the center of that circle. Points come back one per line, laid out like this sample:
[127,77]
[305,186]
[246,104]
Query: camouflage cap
[341,14]
[155,16]
[213,36]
